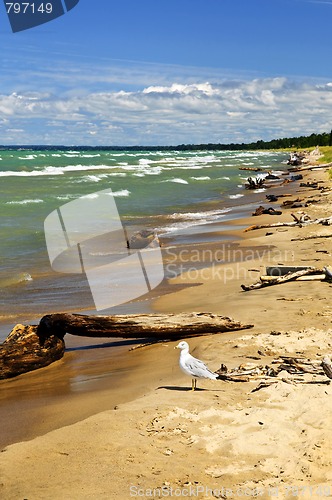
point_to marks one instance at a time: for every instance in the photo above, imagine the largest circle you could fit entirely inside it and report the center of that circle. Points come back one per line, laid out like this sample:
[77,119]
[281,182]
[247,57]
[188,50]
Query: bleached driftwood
[304,220]
[313,237]
[291,276]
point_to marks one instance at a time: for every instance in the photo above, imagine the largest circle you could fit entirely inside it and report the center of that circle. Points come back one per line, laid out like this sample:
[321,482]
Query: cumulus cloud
[222,111]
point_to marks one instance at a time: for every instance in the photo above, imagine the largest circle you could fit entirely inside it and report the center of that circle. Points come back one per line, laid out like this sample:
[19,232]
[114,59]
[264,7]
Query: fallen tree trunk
[23,351]
[28,348]
[159,326]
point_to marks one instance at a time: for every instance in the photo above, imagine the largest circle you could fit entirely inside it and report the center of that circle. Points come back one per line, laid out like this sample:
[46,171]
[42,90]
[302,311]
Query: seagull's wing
[327,367]
[197,368]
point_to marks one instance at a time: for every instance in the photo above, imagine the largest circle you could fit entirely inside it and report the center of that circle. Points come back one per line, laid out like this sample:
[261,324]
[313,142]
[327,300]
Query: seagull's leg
[193,384]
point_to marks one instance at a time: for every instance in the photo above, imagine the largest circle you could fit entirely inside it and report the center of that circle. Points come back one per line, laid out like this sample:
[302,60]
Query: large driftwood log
[159,326]
[23,351]
[28,348]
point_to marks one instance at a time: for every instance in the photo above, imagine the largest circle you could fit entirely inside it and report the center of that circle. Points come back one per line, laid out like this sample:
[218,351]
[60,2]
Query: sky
[168,72]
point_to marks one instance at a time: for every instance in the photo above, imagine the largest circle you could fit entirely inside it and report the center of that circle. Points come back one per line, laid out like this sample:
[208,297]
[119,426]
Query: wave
[15,279]
[177,180]
[122,193]
[24,202]
[191,219]
[144,168]
[235,196]
[206,178]
[199,215]
[50,170]
[28,157]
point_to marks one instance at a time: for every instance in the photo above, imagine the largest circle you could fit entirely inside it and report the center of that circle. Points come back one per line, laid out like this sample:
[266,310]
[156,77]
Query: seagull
[192,366]
[327,367]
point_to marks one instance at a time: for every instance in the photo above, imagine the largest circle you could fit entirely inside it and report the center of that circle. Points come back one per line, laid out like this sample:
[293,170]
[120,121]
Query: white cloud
[223,111]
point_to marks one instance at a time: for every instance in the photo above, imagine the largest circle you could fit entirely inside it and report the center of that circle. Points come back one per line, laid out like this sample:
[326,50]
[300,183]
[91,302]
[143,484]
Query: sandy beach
[156,437]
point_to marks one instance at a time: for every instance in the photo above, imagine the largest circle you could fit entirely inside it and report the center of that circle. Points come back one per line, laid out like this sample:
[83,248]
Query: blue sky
[168,72]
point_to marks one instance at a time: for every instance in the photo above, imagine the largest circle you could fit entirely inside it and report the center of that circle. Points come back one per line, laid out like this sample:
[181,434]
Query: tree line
[302,142]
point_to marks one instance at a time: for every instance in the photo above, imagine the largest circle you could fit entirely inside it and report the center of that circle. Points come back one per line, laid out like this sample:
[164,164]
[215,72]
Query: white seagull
[327,366]
[192,366]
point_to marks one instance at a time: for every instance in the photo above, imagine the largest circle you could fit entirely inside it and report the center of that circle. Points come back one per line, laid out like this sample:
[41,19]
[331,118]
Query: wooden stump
[24,351]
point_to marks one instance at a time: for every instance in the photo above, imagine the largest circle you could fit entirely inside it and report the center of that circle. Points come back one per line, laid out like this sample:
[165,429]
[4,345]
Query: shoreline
[171,404]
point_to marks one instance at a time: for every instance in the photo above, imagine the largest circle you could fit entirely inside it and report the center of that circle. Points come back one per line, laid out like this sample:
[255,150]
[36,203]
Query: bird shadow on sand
[178,388]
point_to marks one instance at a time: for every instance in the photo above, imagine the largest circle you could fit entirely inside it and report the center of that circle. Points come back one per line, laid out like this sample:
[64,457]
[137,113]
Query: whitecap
[191,219]
[53,170]
[235,196]
[28,157]
[199,215]
[206,178]
[260,190]
[91,196]
[122,193]
[65,197]
[94,178]
[24,202]
[178,180]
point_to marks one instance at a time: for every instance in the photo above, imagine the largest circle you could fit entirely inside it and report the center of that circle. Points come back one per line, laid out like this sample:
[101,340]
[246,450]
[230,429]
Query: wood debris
[256,183]
[269,211]
[303,220]
[288,369]
[265,281]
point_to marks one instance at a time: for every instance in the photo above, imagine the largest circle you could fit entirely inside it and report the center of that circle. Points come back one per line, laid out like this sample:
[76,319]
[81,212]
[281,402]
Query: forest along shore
[269,441]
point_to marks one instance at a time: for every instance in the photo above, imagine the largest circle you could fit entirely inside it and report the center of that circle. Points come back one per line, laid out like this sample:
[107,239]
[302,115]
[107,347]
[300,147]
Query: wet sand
[223,436]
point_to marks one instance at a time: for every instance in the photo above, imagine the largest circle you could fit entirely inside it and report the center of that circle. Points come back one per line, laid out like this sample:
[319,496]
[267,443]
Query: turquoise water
[171,192]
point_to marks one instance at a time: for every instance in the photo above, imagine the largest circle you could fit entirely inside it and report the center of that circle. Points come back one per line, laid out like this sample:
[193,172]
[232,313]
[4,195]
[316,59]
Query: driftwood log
[291,276]
[28,348]
[158,326]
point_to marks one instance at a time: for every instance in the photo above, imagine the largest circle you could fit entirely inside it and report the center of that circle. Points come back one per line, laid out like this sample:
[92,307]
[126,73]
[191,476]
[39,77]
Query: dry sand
[222,441]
